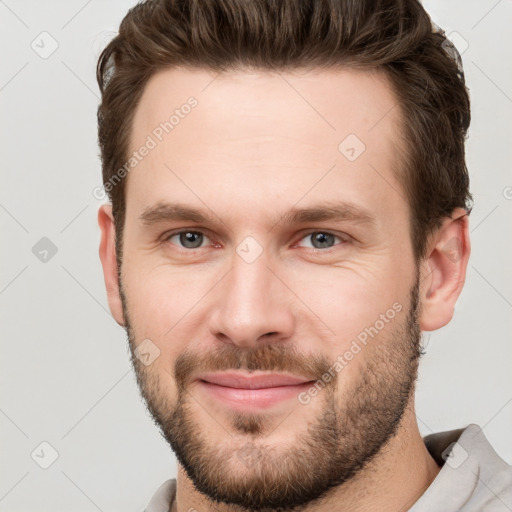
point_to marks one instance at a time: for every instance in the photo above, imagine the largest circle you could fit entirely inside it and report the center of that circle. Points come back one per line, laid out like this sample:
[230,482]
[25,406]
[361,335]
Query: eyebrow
[336,211]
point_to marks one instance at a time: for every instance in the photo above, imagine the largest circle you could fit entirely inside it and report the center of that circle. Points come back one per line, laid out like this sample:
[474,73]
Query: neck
[394,480]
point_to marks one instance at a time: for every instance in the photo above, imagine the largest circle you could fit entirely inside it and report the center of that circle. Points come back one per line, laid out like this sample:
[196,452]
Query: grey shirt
[473,477]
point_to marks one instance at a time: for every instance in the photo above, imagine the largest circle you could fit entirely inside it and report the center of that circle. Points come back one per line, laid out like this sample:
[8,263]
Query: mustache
[271,357]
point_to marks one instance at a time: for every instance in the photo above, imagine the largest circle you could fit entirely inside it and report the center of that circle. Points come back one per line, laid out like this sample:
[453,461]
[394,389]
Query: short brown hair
[396,37]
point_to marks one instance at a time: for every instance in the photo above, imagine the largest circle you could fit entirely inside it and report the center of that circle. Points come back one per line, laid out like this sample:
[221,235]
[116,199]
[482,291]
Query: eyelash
[344,238]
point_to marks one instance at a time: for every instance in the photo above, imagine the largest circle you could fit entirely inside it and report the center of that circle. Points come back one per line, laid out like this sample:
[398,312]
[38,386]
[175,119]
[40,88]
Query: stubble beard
[243,471]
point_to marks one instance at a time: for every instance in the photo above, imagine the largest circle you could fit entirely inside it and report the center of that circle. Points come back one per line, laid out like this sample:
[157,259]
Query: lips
[239,380]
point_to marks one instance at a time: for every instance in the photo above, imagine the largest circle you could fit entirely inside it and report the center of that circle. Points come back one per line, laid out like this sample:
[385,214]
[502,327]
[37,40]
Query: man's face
[250,289]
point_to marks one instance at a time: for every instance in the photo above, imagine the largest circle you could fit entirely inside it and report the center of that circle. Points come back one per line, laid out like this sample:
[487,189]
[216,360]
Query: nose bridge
[252,300]
[252,283]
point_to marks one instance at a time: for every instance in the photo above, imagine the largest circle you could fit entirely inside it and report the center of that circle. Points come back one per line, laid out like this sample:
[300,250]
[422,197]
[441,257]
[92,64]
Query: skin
[257,145]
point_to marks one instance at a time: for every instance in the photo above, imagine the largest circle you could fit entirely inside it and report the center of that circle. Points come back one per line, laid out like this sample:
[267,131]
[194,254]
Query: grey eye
[189,239]
[321,239]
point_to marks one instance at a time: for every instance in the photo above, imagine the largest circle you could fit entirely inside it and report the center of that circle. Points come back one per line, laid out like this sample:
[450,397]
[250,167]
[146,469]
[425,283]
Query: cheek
[342,302]
[162,303]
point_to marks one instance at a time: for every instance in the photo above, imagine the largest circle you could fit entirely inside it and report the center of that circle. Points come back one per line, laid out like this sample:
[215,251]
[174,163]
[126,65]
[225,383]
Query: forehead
[271,135]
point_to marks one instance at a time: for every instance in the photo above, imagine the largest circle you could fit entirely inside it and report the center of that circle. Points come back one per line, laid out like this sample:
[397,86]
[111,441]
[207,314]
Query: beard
[349,431]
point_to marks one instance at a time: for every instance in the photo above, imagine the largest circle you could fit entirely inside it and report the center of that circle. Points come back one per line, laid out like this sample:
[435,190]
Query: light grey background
[65,376]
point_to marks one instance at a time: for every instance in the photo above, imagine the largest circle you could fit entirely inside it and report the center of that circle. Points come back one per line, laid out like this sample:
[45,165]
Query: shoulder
[163,498]
[473,454]
[473,477]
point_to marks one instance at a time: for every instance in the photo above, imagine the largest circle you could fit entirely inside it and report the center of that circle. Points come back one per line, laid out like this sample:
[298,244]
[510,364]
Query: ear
[108,261]
[443,272]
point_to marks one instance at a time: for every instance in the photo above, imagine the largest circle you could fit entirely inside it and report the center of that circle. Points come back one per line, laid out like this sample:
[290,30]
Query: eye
[323,239]
[191,239]
[187,238]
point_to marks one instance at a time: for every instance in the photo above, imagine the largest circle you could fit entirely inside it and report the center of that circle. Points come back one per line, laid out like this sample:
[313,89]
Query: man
[289,211]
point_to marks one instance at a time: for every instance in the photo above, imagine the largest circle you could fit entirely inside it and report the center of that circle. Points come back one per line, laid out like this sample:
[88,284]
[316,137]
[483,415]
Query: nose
[252,303]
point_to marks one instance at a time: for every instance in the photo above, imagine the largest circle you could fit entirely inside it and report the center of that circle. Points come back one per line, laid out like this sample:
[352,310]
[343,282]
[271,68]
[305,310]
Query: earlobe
[107,252]
[444,271]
